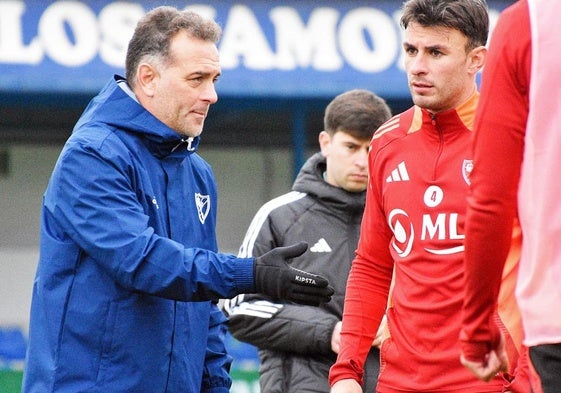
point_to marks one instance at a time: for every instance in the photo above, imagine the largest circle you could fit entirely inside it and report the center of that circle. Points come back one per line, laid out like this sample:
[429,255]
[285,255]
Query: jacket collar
[463,116]
[115,107]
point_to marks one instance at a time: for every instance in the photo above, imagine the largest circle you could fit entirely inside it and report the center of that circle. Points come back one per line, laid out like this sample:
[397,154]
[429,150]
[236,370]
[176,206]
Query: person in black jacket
[298,344]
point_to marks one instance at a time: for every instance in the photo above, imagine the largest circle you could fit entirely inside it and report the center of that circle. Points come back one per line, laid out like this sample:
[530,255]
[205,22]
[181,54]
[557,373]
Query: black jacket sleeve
[280,327]
[267,325]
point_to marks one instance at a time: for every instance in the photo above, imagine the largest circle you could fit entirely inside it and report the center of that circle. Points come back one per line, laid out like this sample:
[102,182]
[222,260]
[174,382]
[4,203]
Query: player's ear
[477,59]
[324,140]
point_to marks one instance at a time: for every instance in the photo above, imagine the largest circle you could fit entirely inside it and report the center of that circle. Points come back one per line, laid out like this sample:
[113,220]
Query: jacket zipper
[441,144]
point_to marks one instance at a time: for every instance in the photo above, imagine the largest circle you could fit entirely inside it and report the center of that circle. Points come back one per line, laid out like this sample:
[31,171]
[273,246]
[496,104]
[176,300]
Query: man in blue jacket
[125,296]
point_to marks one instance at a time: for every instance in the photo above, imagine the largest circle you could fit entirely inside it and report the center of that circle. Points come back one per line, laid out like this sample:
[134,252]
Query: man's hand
[495,361]
[336,337]
[281,282]
[346,386]
[382,333]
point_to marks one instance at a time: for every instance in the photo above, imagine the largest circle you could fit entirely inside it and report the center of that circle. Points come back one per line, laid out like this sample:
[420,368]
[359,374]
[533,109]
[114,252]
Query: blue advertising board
[268,48]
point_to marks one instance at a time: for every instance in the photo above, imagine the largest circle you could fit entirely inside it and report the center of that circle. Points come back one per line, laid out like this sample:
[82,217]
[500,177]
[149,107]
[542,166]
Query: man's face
[439,71]
[347,160]
[183,90]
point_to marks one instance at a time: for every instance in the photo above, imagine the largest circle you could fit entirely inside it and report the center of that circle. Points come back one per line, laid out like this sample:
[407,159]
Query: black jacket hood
[310,180]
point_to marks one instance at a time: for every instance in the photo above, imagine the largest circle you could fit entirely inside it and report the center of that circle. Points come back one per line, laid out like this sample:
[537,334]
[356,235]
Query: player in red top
[412,229]
[517,145]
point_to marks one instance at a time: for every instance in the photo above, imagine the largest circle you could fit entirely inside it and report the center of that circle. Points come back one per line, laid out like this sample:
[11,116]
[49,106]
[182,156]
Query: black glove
[281,282]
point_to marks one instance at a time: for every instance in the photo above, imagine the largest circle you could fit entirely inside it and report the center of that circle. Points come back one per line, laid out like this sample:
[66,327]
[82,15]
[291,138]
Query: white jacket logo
[203,206]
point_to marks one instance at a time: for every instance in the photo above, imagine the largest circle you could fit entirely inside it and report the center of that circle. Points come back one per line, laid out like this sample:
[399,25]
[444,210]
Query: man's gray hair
[155,30]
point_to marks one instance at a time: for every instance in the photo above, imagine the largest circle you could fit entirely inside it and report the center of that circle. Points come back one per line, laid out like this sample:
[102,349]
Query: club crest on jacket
[203,206]
[467,167]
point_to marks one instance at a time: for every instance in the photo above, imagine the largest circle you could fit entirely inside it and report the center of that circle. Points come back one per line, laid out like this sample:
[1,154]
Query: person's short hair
[470,17]
[357,112]
[155,30]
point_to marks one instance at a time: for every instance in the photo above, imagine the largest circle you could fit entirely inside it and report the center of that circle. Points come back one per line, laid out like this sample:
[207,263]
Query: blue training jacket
[124,298]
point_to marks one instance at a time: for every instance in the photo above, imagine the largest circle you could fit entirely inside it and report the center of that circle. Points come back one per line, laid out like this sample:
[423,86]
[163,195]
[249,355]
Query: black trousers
[547,362]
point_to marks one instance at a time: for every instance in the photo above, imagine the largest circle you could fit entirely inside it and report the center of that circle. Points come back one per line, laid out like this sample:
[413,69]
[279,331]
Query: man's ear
[147,78]
[477,59]
[324,141]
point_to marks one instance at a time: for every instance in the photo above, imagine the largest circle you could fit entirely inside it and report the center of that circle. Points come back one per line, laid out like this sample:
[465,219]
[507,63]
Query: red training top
[414,219]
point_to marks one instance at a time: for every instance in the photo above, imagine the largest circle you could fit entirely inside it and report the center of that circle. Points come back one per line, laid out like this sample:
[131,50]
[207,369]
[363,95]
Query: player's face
[347,160]
[439,71]
[185,88]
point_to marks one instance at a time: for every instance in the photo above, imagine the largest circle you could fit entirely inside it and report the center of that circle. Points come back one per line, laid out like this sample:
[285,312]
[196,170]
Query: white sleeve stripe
[229,304]
[260,309]
[246,249]
[257,314]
